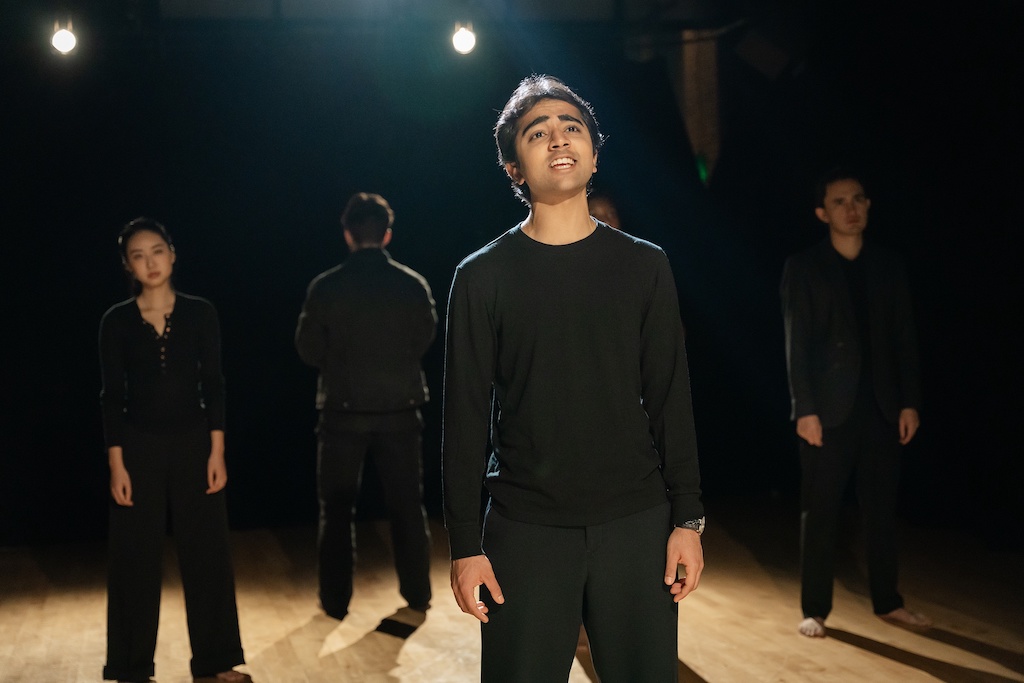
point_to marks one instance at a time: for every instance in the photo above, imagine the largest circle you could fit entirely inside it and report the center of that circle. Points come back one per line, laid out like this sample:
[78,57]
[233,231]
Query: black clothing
[852,357]
[823,347]
[396,457]
[610,575]
[162,396]
[365,326]
[594,451]
[583,348]
[865,448]
[170,471]
[856,278]
[161,384]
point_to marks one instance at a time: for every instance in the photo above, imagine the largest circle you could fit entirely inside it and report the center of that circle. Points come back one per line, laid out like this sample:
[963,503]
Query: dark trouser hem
[886,608]
[211,667]
[338,614]
[111,673]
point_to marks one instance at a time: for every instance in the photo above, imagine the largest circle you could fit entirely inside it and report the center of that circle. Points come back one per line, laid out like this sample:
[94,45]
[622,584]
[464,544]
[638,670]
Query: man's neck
[848,246]
[360,247]
[562,222]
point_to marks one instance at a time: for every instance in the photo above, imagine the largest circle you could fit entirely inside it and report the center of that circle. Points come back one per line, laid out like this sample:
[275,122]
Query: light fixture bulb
[63,40]
[463,40]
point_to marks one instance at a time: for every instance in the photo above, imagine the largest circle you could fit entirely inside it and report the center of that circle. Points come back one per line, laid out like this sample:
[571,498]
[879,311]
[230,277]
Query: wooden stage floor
[739,627]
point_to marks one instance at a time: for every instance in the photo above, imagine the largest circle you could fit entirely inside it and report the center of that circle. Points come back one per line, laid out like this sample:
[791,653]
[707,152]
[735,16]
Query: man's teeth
[565,161]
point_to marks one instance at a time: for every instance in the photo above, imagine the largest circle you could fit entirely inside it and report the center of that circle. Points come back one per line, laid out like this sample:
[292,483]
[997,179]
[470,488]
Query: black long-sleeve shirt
[582,347]
[161,384]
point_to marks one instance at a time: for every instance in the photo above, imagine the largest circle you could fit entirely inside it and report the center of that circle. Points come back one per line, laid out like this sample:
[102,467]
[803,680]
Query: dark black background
[246,140]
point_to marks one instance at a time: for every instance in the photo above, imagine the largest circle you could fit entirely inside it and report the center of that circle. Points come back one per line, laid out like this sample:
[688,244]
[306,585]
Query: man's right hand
[467,574]
[808,428]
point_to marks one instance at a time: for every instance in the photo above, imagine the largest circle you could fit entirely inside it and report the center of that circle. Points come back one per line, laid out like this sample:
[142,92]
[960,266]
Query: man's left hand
[909,422]
[684,562]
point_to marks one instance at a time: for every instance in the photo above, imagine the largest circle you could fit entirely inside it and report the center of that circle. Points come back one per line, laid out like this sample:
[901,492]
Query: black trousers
[609,576]
[169,472]
[397,457]
[867,447]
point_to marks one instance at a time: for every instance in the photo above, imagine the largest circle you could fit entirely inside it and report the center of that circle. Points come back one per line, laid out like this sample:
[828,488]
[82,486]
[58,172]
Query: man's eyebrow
[545,117]
[539,119]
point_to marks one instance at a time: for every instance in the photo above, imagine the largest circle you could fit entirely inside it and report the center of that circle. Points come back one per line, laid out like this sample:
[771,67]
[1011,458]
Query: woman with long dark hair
[163,418]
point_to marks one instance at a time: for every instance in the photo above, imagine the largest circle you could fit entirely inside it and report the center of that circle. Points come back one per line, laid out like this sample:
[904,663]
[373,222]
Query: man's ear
[595,164]
[349,240]
[513,172]
[820,213]
[387,238]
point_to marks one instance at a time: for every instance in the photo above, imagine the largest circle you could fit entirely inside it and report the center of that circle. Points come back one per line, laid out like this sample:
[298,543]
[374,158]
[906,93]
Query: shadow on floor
[943,671]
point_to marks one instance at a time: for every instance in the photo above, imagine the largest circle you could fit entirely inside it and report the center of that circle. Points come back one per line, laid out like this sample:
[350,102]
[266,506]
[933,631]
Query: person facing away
[163,423]
[565,351]
[365,326]
[851,352]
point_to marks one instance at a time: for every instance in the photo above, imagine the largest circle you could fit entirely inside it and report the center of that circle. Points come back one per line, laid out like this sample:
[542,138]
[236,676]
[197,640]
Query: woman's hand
[216,469]
[216,473]
[120,481]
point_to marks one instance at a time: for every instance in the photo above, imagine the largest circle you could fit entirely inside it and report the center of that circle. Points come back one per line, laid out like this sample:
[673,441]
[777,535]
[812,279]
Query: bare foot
[907,619]
[812,627]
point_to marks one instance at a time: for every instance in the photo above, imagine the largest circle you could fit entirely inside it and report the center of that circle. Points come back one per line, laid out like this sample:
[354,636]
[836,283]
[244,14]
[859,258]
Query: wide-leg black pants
[867,447]
[397,458]
[609,576]
[169,472]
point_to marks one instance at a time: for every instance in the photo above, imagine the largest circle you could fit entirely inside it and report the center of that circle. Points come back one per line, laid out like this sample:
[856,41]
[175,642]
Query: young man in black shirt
[565,350]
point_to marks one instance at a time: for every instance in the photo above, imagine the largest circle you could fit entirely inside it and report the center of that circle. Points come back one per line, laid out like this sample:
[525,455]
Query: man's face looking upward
[555,152]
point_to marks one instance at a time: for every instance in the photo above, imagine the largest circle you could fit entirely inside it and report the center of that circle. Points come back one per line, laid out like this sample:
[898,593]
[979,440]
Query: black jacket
[823,351]
[365,326]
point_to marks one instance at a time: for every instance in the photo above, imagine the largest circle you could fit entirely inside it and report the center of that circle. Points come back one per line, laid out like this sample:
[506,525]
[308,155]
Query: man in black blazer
[851,351]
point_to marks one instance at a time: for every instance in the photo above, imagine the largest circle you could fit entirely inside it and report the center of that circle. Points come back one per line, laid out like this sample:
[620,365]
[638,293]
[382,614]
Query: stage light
[464,40]
[63,40]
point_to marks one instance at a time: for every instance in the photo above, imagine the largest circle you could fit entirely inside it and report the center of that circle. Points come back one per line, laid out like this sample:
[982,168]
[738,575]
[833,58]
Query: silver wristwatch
[694,525]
